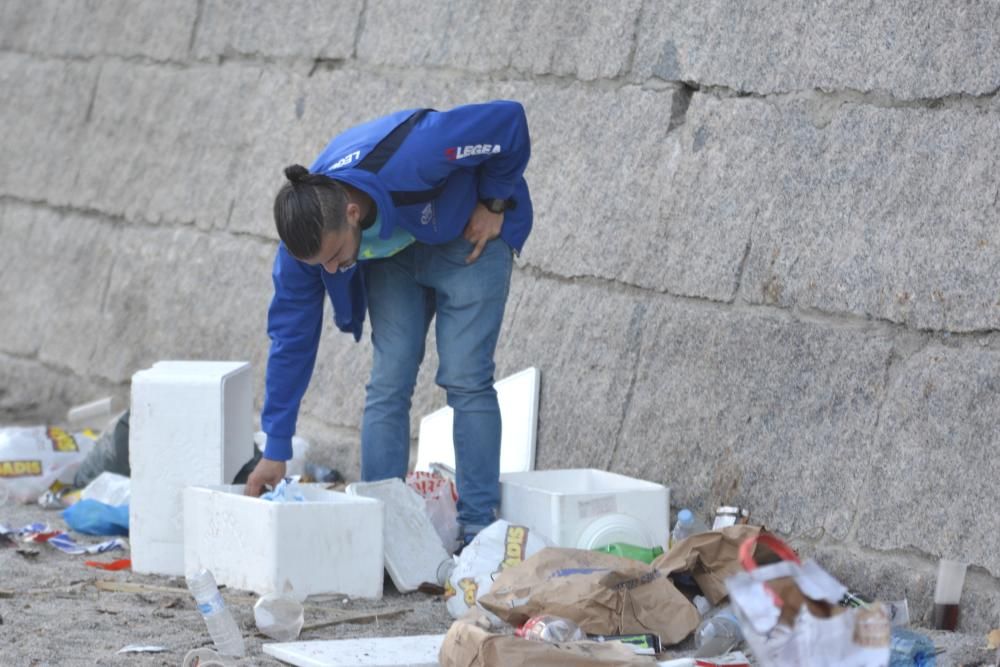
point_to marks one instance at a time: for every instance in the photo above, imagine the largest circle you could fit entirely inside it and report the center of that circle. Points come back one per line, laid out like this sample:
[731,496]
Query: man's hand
[484,226]
[266,472]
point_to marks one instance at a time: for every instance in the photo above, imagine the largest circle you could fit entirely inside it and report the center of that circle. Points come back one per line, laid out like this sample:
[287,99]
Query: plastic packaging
[551,629]
[717,634]
[221,625]
[910,649]
[687,525]
[440,504]
[33,458]
[109,488]
[644,554]
[279,617]
[92,517]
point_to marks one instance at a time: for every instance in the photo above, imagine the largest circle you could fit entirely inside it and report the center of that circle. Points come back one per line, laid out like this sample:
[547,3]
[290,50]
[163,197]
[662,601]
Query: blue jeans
[405,292]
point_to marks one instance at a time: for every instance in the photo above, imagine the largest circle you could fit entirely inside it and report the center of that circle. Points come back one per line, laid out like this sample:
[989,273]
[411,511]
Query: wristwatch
[494,205]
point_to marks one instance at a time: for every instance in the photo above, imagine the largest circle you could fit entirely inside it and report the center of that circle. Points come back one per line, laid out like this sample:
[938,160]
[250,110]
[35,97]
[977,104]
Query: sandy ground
[52,613]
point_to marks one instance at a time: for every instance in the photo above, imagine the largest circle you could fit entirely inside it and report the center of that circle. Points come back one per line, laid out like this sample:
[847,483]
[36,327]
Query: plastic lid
[685,516]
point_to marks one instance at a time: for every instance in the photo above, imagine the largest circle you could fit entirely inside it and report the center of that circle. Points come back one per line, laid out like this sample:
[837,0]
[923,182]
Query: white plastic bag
[109,488]
[497,547]
[33,458]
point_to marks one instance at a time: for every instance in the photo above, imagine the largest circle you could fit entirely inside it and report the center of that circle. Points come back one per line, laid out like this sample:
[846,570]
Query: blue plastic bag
[93,517]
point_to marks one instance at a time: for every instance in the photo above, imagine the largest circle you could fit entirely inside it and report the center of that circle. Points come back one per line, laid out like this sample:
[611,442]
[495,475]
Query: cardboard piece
[415,651]
[603,594]
[468,645]
[413,548]
[710,558]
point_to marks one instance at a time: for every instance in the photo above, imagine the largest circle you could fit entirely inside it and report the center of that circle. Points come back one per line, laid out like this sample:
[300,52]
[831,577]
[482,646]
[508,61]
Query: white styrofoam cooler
[191,423]
[586,508]
[331,543]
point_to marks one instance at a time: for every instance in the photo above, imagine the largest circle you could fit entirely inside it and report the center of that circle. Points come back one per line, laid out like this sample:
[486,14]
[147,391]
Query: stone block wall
[765,268]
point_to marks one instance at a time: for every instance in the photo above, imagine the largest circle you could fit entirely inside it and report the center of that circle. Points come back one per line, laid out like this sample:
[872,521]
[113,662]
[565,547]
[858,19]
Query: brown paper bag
[601,593]
[709,557]
[467,645]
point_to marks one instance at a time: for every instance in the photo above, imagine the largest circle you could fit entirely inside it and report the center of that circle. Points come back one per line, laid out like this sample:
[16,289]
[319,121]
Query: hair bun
[296,173]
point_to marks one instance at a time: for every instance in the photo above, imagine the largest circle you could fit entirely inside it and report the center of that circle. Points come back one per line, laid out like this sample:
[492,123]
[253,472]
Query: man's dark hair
[306,207]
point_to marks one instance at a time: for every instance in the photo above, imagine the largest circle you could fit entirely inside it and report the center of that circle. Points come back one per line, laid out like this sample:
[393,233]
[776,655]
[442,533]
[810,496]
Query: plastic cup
[279,617]
[948,593]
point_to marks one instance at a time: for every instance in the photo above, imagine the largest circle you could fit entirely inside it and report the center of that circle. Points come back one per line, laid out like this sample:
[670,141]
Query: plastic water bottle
[911,649]
[551,629]
[687,525]
[279,617]
[718,634]
[221,626]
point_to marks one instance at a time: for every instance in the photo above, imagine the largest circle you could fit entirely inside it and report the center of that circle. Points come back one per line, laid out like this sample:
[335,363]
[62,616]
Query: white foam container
[413,651]
[191,423]
[587,508]
[413,549]
[331,543]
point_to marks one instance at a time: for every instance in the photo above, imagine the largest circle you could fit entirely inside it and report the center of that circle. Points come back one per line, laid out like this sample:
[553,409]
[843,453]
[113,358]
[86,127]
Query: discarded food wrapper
[729,515]
[789,614]
[32,458]
[601,593]
[440,503]
[66,544]
[468,645]
[709,558]
[496,548]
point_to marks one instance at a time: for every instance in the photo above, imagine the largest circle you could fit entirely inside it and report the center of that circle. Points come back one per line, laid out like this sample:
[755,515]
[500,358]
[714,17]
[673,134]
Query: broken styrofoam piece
[587,509]
[329,543]
[413,548]
[415,651]
[518,398]
[191,423]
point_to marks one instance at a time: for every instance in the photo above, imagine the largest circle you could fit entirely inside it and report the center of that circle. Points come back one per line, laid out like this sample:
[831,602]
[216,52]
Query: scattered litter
[948,593]
[92,517]
[413,550]
[114,566]
[33,458]
[552,629]
[414,651]
[643,554]
[789,615]
[440,503]
[717,634]
[30,554]
[68,545]
[108,488]
[729,515]
[138,648]
[497,547]
[206,657]
[279,617]
[643,644]
[58,496]
[909,648]
[469,645]
[601,593]
[734,659]
[687,525]
[218,619]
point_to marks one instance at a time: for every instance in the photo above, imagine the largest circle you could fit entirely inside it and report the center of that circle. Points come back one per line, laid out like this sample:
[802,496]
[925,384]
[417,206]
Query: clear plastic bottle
[551,629]
[911,649]
[718,634]
[687,525]
[221,625]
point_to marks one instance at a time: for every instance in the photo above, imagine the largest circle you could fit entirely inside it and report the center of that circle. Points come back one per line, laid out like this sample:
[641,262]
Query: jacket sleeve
[294,323]
[492,137]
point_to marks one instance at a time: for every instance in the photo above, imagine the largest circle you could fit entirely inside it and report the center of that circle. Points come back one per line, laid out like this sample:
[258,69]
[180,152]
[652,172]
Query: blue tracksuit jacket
[429,186]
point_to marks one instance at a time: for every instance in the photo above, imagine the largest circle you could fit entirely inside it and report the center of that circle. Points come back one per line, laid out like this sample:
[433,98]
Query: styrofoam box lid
[314,494]
[194,369]
[577,481]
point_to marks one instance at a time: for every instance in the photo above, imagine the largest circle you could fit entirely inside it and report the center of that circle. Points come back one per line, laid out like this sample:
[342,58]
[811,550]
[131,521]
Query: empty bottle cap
[685,516]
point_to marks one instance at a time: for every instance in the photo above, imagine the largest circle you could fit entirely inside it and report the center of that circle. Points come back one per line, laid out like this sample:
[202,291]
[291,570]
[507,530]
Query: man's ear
[353,214]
